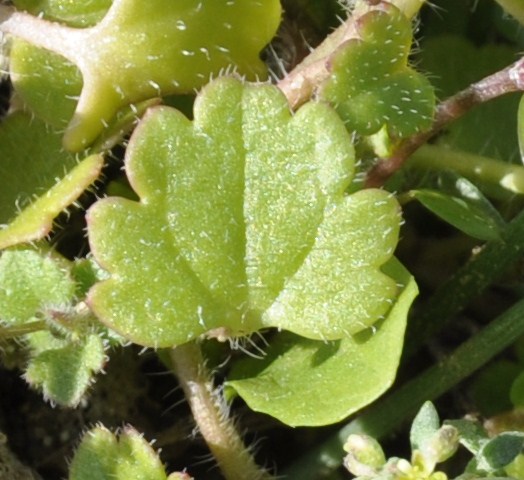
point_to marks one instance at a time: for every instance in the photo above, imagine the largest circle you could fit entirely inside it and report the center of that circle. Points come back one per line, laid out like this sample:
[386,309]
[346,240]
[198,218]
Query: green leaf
[463,205]
[62,359]
[36,220]
[371,84]
[64,371]
[76,14]
[471,433]
[500,451]
[86,272]
[187,43]
[102,456]
[306,382]
[42,159]
[242,225]
[425,424]
[48,84]
[30,281]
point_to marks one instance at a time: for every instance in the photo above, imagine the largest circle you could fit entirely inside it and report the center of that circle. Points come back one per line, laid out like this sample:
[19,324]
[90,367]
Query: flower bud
[364,456]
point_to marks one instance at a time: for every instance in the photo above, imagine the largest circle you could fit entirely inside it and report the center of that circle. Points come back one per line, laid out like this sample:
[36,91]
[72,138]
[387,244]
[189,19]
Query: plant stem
[210,413]
[56,37]
[388,413]
[15,331]
[475,167]
[510,79]
[466,284]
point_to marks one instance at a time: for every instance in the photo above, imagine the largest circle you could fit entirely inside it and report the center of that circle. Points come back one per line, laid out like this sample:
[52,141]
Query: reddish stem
[510,79]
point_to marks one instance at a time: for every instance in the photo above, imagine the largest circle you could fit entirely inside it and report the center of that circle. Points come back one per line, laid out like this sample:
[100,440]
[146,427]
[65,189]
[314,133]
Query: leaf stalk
[210,414]
[507,80]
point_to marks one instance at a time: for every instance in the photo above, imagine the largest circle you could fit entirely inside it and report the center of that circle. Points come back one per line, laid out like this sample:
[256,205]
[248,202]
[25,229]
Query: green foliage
[76,14]
[247,222]
[118,69]
[461,204]
[242,225]
[29,282]
[36,220]
[103,456]
[61,368]
[520,127]
[42,160]
[305,382]
[371,84]
[432,444]
[491,455]
[62,359]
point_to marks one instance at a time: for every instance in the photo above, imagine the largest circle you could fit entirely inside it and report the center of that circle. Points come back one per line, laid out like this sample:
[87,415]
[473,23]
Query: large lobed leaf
[139,50]
[242,224]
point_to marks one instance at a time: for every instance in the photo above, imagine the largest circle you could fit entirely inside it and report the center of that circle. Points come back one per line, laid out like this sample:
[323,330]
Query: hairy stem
[11,332]
[210,414]
[388,413]
[56,37]
[510,79]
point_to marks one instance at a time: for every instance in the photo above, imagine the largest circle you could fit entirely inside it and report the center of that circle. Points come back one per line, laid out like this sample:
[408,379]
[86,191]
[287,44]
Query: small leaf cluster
[431,443]
[65,344]
[103,455]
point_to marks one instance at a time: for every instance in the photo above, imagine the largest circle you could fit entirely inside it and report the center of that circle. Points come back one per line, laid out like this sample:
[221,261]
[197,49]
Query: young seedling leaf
[32,160]
[242,224]
[103,456]
[141,50]
[36,220]
[48,84]
[309,383]
[371,84]
[425,424]
[64,372]
[62,363]
[471,433]
[31,281]
[461,204]
[500,451]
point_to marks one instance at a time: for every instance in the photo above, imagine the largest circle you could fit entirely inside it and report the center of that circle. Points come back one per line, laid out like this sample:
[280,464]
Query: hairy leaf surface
[242,224]
[63,358]
[103,456]
[141,50]
[29,170]
[371,84]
